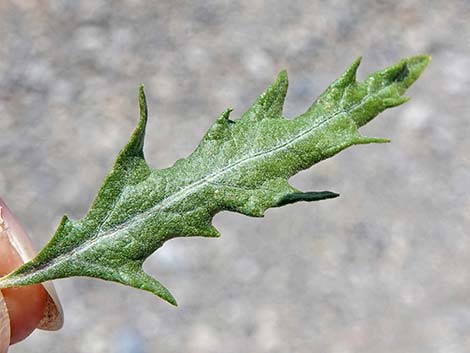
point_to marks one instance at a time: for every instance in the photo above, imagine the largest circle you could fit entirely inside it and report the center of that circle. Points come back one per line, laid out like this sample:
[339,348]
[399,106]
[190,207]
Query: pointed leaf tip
[415,66]
[225,116]
[404,73]
[364,140]
[419,61]
[270,103]
[142,101]
[273,99]
[306,196]
[282,75]
[135,146]
[351,72]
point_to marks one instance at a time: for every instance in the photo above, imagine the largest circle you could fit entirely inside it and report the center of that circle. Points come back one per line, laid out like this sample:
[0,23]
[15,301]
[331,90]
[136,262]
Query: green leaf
[240,165]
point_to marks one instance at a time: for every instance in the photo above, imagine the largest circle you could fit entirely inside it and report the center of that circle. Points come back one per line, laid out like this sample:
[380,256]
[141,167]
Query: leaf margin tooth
[350,75]
[135,145]
[270,104]
[307,196]
[133,275]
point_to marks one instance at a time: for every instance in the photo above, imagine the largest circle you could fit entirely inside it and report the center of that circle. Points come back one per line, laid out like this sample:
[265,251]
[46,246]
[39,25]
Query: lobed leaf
[240,165]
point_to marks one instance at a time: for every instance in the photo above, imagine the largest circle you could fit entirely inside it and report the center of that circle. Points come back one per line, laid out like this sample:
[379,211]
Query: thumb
[22,309]
[25,305]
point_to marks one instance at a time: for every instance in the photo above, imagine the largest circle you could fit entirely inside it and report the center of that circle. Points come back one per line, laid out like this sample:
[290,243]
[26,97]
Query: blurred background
[384,268]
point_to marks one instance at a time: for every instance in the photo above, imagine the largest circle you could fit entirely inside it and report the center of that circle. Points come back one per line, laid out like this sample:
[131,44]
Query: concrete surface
[385,268]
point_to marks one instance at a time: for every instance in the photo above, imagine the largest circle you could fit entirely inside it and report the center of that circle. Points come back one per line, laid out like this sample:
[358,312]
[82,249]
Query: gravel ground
[384,268]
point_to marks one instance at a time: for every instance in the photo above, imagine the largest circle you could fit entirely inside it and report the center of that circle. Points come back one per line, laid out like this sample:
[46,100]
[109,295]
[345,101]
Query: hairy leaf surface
[240,165]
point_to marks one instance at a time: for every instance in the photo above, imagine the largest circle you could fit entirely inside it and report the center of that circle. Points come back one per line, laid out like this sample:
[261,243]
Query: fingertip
[24,306]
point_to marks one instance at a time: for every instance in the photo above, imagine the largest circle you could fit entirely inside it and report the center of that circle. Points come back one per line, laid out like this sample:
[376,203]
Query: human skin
[25,305]
[22,309]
